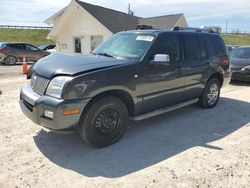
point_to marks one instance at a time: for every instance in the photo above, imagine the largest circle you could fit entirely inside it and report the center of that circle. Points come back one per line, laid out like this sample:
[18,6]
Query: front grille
[39,84]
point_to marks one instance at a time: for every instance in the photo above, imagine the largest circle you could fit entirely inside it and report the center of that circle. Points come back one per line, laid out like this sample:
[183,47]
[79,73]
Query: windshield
[129,46]
[241,53]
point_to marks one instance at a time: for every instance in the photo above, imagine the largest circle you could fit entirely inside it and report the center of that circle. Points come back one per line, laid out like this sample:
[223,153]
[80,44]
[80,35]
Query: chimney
[130,12]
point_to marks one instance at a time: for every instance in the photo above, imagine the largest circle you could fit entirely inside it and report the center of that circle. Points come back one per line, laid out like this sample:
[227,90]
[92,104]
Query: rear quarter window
[218,45]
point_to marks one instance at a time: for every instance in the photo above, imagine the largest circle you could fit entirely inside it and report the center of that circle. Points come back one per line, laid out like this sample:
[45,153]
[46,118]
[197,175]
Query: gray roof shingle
[117,21]
[114,20]
[161,22]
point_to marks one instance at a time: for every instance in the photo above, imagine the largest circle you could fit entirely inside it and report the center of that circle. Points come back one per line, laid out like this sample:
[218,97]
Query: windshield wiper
[105,54]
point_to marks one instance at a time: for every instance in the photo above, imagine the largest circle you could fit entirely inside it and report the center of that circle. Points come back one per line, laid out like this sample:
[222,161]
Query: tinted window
[167,44]
[191,47]
[241,53]
[29,47]
[17,46]
[218,45]
[203,48]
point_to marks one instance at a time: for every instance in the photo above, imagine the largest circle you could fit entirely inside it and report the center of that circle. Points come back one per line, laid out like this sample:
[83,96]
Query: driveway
[190,147]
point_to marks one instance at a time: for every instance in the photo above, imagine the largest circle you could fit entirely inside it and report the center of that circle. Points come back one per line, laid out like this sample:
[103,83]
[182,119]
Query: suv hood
[66,64]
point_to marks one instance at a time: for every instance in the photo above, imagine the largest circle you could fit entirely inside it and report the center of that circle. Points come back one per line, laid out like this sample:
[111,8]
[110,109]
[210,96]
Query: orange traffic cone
[25,66]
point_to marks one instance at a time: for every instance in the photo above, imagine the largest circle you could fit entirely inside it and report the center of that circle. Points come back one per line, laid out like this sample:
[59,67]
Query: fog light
[48,114]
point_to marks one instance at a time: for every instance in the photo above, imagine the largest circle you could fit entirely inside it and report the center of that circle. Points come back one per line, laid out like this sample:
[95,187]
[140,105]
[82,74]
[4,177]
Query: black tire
[104,122]
[211,94]
[10,60]
[30,72]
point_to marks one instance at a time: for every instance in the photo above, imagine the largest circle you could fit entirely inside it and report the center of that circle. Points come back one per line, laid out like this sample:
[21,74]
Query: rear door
[16,49]
[196,63]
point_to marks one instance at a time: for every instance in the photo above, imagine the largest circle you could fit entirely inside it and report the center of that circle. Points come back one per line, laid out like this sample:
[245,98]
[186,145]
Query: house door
[78,45]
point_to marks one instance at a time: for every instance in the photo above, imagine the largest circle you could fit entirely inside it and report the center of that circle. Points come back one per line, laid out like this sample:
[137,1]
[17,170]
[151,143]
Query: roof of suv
[155,31]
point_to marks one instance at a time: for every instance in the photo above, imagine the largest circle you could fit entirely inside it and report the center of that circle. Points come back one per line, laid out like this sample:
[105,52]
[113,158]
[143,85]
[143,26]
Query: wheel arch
[218,76]
[124,96]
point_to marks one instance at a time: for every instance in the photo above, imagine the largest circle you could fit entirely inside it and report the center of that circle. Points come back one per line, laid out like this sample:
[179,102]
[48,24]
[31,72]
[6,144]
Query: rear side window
[16,46]
[218,45]
[167,44]
[203,48]
[191,47]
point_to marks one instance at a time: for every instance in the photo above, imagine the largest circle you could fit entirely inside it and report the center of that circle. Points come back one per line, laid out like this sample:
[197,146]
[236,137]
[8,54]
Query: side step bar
[164,110]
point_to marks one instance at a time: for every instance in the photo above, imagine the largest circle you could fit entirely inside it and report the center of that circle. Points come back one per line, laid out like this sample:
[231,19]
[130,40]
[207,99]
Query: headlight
[246,67]
[56,86]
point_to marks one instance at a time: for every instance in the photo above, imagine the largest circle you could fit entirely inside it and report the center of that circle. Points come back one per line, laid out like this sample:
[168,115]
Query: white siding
[78,24]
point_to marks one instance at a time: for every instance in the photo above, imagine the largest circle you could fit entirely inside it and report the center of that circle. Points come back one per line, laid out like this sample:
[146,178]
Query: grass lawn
[38,37]
[233,39]
[32,36]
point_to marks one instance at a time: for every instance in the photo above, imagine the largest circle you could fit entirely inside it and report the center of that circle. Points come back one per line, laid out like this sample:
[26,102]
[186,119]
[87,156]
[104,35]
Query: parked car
[134,74]
[240,59]
[11,53]
[231,47]
[46,47]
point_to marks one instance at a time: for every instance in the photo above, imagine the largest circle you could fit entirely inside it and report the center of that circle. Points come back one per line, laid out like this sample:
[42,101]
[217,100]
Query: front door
[163,84]
[32,53]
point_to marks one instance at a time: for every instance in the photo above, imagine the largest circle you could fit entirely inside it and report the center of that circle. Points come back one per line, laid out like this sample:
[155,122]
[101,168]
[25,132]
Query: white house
[81,27]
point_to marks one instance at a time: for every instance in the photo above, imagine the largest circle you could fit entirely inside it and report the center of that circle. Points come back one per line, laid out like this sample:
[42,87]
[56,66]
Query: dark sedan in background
[240,63]
[11,53]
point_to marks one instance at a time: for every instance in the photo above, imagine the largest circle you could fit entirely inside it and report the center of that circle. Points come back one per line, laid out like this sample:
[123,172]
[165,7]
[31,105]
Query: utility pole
[226,25]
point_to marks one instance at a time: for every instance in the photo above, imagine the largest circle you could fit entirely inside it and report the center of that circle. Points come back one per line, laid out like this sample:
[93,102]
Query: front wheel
[211,94]
[104,122]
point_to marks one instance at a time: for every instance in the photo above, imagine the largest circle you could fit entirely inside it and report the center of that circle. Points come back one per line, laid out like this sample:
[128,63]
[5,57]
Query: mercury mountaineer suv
[133,75]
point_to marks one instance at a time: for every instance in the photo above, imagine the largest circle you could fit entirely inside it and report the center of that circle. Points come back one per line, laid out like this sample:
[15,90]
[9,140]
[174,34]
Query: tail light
[2,50]
[225,62]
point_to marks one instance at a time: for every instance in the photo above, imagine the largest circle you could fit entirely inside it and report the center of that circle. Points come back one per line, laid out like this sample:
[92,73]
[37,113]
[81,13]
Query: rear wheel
[104,122]
[211,94]
[10,60]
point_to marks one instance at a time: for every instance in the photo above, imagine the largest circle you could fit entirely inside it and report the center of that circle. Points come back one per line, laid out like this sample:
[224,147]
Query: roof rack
[143,26]
[193,29]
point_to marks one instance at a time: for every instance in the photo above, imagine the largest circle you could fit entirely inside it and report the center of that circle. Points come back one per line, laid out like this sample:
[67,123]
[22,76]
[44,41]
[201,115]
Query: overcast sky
[198,12]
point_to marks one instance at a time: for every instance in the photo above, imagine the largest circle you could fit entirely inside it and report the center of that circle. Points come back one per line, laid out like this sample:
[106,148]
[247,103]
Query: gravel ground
[190,147]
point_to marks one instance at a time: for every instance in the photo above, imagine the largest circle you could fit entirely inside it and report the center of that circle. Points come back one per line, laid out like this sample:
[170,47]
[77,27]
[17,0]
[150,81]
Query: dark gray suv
[133,75]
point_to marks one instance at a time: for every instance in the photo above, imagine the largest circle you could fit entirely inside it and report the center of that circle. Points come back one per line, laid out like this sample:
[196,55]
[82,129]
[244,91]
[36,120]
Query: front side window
[130,46]
[29,47]
[78,45]
[167,44]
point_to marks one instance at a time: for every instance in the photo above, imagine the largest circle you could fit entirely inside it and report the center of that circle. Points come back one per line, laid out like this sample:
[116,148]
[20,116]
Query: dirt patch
[190,147]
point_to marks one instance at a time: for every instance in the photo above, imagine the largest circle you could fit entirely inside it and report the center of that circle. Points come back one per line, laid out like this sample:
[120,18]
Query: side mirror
[161,59]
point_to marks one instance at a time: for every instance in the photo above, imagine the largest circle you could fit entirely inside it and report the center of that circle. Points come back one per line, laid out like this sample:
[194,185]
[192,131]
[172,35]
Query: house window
[78,45]
[96,41]
[64,46]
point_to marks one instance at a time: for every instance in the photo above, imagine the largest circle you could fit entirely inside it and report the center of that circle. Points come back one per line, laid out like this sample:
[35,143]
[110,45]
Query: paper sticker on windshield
[145,38]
